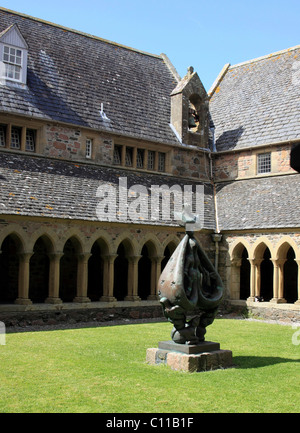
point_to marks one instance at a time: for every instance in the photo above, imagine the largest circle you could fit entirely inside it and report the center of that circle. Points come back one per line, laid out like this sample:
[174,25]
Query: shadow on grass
[259,361]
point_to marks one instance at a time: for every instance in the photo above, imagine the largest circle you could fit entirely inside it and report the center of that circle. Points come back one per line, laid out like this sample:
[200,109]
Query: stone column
[54,270]
[132,282]
[278,281]
[155,274]
[23,283]
[235,279]
[108,278]
[82,278]
[254,278]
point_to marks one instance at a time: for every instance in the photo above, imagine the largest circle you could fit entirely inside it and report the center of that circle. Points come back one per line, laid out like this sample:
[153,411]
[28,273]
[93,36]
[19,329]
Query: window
[264,163]
[151,160]
[18,137]
[161,161]
[117,155]
[88,148]
[135,157]
[128,157]
[12,59]
[140,158]
[15,139]
[13,56]
[2,135]
[30,140]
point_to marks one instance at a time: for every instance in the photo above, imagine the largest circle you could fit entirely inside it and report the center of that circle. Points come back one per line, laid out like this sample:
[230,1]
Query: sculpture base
[205,356]
[189,349]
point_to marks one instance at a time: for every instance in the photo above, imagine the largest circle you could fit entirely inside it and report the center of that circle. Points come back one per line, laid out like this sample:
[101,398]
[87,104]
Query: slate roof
[267,202]
[36,186]
[258,102]
[70,74]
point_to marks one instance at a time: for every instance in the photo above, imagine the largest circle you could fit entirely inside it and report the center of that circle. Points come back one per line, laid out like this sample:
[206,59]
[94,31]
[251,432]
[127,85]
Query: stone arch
[283,246]
[12,245]
[239,269]
[77,238]
[169,246]
[287,261]
[99,254]
[71,249]
[131,244]
[153,243]
[49,237]
[147,269]
[17,234]
[125,270]
[39,268]
[260,246]
[104,239]
[236,248]
[266,275]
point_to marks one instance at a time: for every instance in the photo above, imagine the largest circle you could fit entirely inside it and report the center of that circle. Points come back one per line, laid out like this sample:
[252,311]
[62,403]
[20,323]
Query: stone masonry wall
[242,164]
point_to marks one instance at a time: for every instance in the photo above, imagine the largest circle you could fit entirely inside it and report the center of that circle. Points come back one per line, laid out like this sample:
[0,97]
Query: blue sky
[200,33]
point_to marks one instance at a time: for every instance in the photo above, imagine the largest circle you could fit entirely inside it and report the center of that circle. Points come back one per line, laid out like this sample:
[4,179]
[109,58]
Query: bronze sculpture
[190,284]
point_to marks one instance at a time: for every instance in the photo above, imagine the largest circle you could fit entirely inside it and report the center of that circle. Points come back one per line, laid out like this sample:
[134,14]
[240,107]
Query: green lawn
[104,370]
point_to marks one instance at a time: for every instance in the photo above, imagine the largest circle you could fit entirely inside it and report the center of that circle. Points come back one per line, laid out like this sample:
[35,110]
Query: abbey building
[102,144]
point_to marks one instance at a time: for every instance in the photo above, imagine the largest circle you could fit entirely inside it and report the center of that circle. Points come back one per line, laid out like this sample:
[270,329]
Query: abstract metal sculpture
[190,284]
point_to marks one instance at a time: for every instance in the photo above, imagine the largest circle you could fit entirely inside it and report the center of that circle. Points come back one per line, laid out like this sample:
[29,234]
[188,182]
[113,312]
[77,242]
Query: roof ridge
[267,56]
[80,32]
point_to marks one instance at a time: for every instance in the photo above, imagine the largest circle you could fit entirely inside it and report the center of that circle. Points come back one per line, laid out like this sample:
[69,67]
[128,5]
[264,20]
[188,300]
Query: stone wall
[68,316]
[243,163]
[191,163]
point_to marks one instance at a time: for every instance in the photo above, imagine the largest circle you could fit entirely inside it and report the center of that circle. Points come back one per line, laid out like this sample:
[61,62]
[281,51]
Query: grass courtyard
[104,370]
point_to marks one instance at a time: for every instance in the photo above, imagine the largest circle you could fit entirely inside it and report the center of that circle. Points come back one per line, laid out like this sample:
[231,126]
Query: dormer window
[12,59]
[13,56]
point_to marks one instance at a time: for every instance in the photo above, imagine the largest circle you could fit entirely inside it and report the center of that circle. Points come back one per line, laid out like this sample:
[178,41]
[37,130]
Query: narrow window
[117,155]
[264,163]
[88,148]
[15,142]
[2,135]
[128,157]
[12,59]
[151,159]
[140,158]
[161,161]
[30,140]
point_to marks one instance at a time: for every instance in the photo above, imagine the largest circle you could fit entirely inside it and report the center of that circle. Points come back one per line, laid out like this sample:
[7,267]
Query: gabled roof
[71,74]
[13,36]
[257,102]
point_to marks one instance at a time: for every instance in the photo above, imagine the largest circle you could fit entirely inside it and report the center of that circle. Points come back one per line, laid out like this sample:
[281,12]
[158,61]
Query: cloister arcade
[264,271]
[46,269]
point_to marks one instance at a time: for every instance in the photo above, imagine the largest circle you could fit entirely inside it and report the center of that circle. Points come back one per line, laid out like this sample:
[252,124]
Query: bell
[192,123]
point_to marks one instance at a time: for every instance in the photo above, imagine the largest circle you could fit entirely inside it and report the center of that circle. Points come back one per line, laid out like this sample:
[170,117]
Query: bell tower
[189,110]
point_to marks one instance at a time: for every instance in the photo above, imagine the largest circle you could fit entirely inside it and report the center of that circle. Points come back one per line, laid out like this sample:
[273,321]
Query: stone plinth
[191,358]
